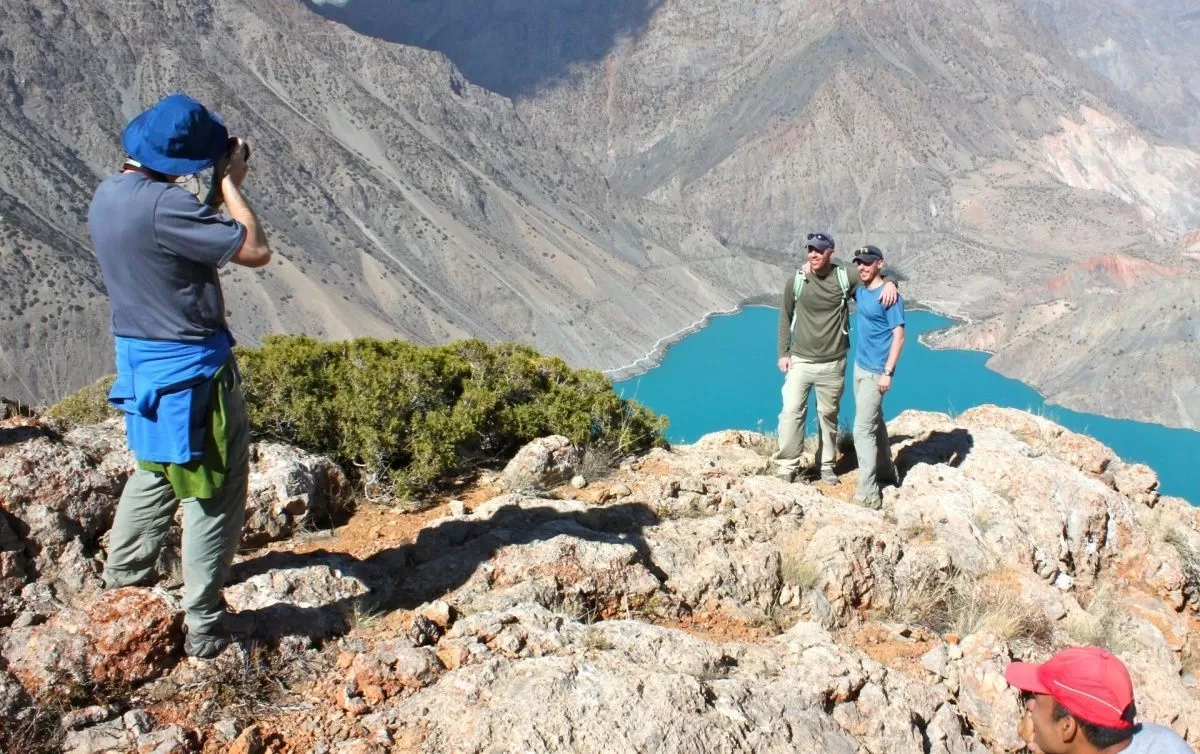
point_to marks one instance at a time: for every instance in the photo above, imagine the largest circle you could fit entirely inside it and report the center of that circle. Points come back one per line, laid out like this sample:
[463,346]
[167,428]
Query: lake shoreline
[654,357]
[658,351]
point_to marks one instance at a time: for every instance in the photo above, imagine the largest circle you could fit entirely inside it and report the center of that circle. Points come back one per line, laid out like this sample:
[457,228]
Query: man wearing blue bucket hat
[160,249]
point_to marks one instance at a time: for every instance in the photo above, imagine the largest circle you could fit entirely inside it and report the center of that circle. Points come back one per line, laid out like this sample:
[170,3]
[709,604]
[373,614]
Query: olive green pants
[870,435]
[828,379]
[212,529]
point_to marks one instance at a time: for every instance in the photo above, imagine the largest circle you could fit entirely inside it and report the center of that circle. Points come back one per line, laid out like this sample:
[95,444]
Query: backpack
[843,279]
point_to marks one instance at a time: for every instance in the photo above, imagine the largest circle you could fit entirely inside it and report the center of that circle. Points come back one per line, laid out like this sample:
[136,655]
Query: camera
[232,143]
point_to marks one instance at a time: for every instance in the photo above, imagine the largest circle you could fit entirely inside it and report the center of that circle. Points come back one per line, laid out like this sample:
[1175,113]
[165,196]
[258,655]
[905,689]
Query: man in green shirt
[814,338]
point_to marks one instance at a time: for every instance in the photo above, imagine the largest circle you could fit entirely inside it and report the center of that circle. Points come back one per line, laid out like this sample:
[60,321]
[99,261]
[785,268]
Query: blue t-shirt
[1157,739]
[159,249]
[874,324]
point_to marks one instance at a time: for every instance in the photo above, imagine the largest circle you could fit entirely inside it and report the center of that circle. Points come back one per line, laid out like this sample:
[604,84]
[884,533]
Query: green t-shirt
[822,316]
[203,477]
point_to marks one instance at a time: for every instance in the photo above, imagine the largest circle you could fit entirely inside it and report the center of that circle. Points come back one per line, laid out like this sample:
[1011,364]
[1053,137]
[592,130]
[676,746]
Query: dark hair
[1098,735]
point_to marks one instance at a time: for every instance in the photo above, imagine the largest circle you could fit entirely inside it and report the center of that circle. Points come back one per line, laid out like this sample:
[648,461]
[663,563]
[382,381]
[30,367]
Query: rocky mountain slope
[1146,49]
[685,602]
[402,200]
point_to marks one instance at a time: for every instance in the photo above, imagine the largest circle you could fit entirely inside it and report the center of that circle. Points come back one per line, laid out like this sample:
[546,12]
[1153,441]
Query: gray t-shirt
[1157,739]
[159,249]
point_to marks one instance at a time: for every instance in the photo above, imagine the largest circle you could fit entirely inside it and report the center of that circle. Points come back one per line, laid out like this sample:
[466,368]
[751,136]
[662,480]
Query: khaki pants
[212,529]
[870,434]
[829,381]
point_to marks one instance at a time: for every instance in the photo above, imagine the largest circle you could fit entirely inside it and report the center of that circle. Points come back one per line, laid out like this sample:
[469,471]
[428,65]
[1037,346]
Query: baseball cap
[868,254]
[819,241]
[1088,682]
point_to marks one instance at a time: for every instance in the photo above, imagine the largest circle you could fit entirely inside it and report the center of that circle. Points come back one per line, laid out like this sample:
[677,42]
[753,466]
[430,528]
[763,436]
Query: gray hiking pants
[212,529]
[870,434]
[829,381]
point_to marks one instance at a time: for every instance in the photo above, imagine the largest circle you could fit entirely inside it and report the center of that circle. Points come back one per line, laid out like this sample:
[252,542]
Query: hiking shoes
[205,646]
[786,475]
[873,501]
[828,477]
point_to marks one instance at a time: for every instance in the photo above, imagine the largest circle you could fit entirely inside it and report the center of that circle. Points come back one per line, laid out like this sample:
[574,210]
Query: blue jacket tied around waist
[163,387]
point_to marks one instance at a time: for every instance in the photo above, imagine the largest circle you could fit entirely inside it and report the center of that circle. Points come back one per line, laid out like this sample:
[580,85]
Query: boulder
[1136,481]
[59,496]
[290,490]
[545,462]
[121,638]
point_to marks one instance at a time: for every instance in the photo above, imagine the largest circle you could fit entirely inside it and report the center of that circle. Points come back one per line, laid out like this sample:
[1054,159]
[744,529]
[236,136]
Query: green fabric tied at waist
[203,477]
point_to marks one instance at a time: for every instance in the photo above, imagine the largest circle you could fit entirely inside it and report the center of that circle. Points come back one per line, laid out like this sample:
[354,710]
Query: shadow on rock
[949,448]
[321,594]
[21,433]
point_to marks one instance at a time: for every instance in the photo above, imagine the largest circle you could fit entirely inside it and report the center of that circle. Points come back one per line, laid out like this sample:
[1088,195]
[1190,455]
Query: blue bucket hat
[178,136]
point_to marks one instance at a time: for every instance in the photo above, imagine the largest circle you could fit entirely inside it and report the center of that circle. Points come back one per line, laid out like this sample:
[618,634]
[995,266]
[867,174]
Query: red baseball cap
[1088,682]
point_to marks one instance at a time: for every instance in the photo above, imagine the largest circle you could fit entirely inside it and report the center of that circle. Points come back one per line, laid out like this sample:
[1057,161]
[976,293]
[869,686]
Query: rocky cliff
[685,601]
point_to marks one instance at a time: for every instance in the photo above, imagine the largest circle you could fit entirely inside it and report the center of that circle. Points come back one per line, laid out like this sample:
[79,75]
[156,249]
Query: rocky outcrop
[128,636]
[59,492]
[688,602]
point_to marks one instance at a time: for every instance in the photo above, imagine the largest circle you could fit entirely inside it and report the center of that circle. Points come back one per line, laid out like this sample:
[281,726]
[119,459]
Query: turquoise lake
[724,377]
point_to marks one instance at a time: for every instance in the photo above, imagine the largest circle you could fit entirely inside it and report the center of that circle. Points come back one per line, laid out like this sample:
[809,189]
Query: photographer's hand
[214,198]
[234,164]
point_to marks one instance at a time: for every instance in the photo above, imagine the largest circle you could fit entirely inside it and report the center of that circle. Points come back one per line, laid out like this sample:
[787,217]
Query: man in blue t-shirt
[160,249]
[880,338]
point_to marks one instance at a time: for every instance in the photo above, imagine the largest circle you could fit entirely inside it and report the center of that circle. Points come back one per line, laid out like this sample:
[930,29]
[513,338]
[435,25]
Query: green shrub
[88,405]
[411,415]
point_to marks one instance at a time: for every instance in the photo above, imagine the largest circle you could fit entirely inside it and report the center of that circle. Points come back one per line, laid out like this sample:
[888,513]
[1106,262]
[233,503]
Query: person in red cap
[1081,702]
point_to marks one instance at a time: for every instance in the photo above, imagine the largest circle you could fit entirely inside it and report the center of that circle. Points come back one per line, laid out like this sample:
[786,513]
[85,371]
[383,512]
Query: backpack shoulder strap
[844,281]
[797,287]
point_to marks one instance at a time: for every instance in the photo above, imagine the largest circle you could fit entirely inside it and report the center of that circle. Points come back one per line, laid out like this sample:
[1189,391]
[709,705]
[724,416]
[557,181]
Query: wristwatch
[888,372]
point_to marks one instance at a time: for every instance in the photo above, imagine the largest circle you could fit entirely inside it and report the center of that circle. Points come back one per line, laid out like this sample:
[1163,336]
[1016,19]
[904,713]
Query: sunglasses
[819,236]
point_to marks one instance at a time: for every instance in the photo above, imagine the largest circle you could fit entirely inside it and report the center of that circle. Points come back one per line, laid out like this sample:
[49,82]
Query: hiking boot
[205,646]
[827,476]
[786,475]
[873,501]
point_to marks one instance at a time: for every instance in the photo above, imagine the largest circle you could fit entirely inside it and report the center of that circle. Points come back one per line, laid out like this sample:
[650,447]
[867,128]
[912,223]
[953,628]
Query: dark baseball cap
[819,241]
[868,255]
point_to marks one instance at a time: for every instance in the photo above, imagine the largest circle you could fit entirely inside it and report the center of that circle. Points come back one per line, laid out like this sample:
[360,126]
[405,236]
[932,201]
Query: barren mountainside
[592,177]
[402,200]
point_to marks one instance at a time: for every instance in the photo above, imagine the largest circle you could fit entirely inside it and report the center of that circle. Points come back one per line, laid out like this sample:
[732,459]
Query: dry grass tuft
[1101,624]
[598,462]
[955,603]
[34,730]
[1190,559]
